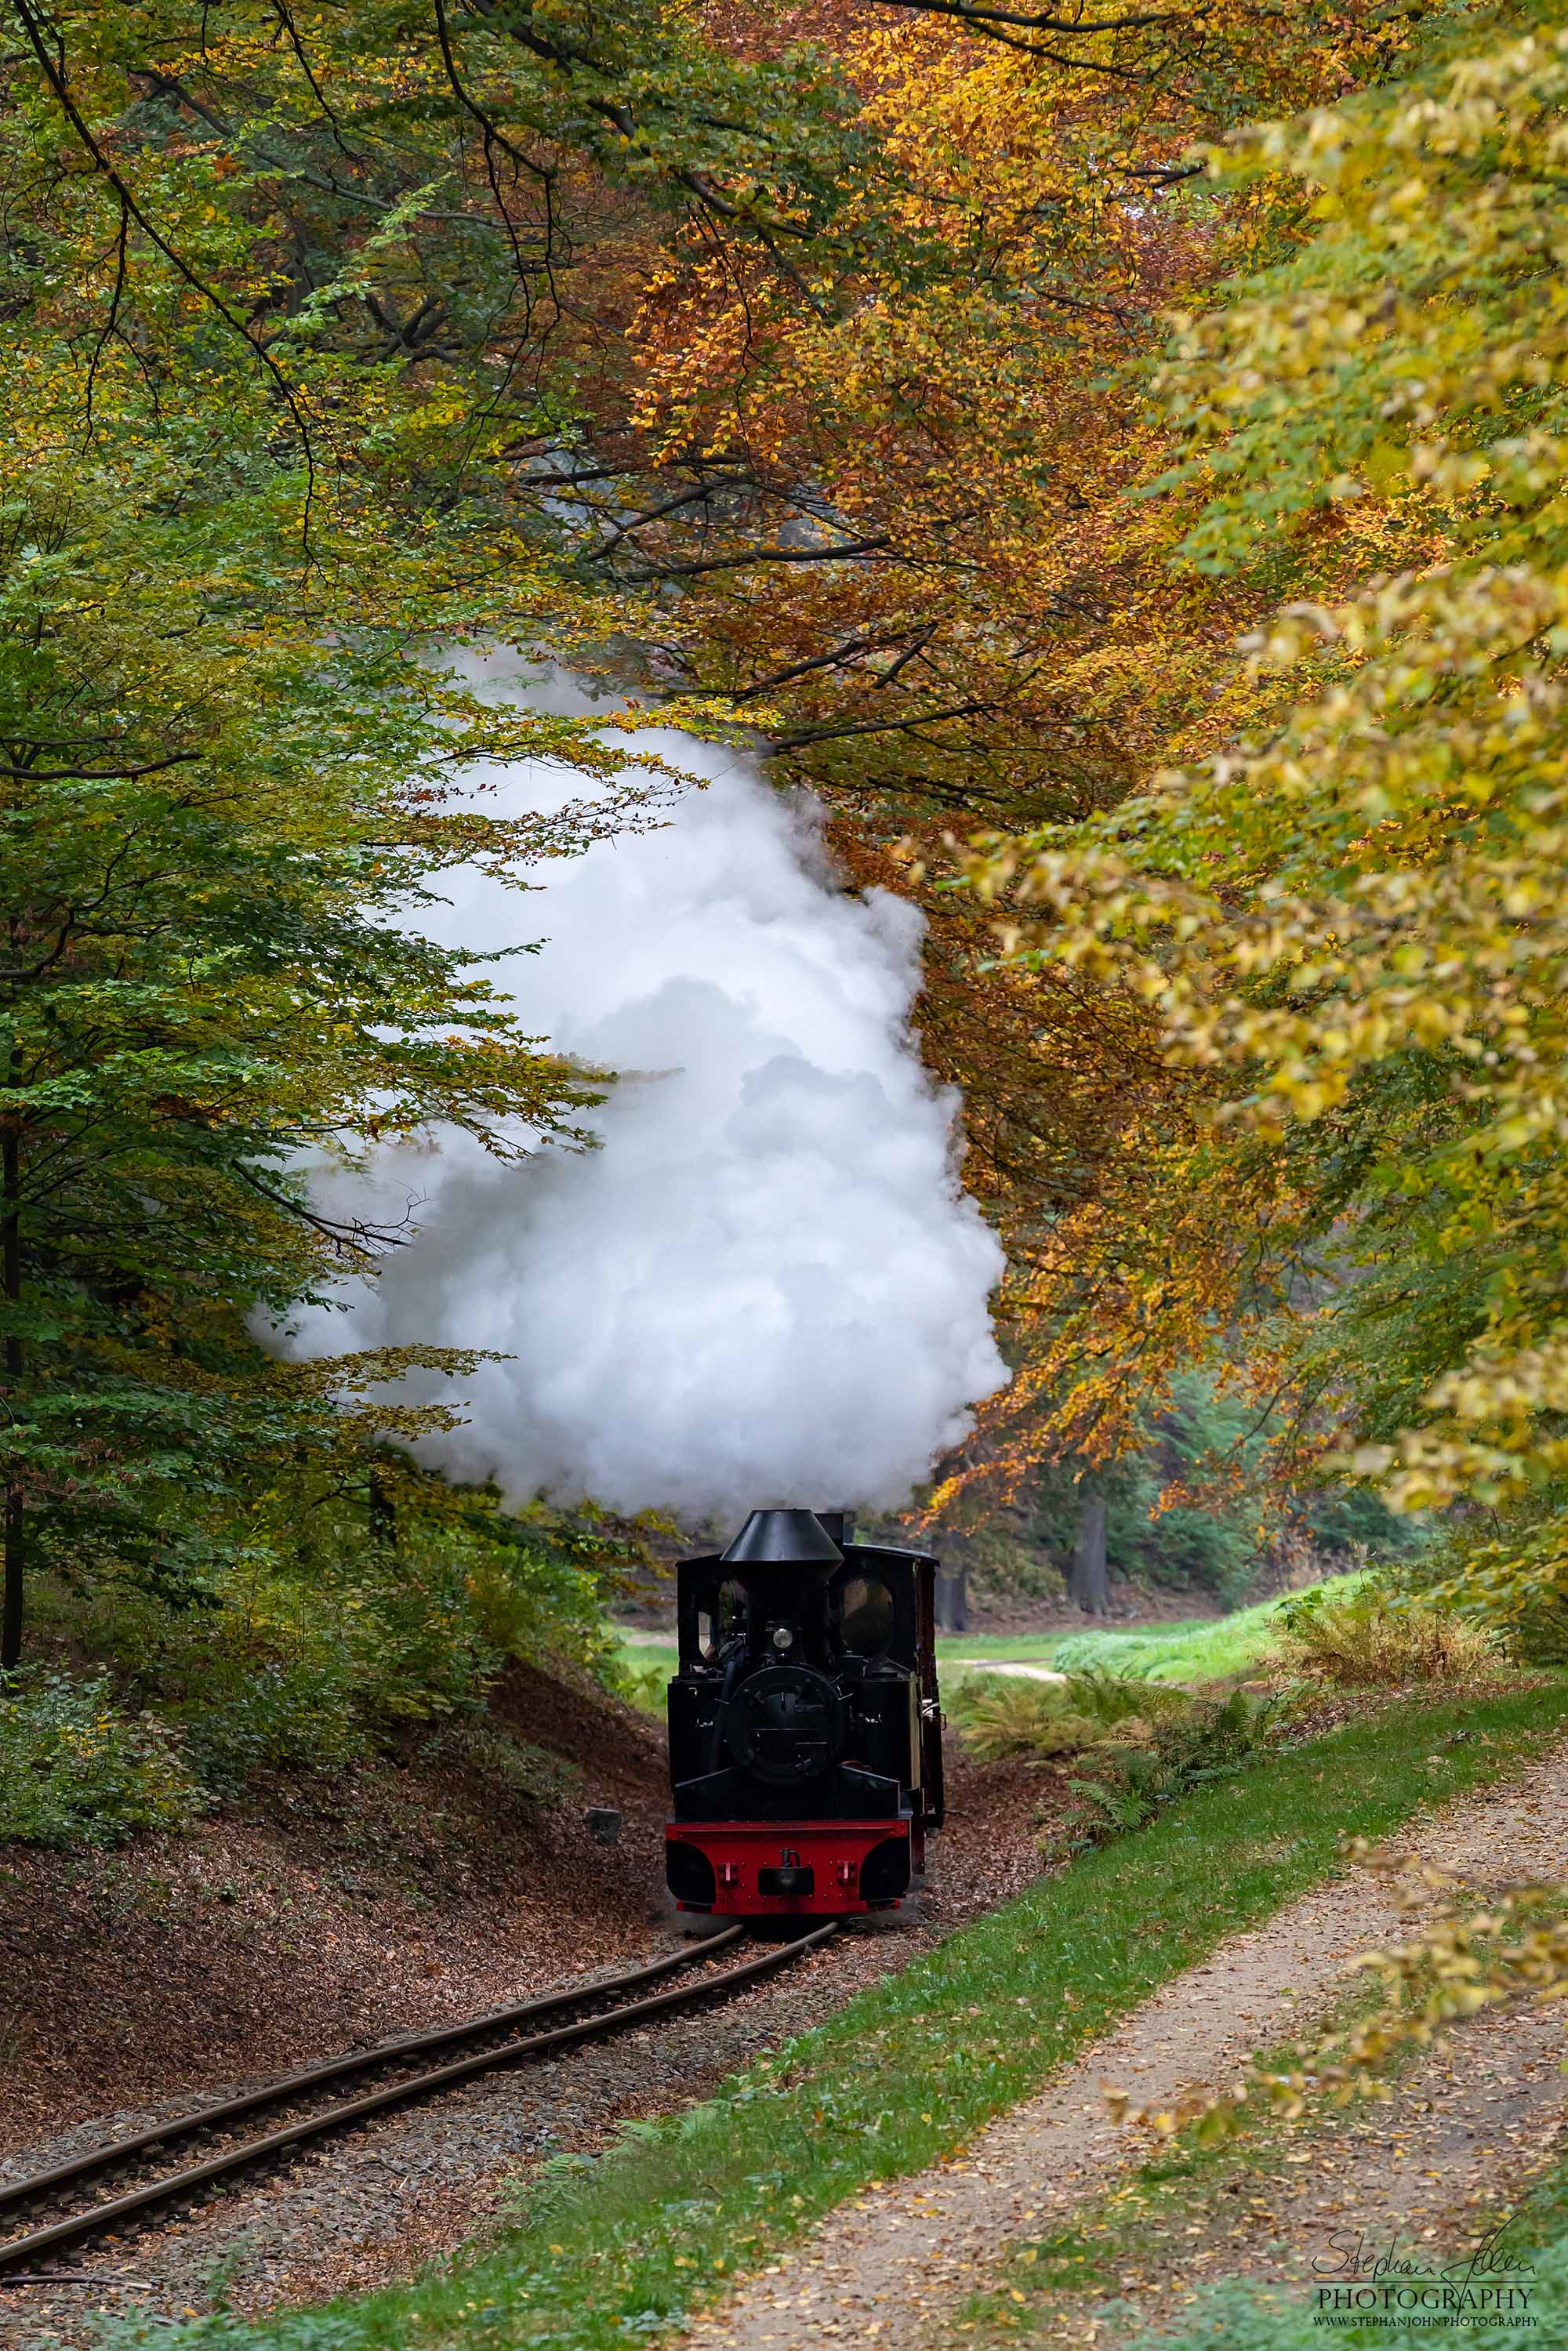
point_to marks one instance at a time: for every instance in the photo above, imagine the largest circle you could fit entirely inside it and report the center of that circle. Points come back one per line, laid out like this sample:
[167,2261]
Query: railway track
[308,2104]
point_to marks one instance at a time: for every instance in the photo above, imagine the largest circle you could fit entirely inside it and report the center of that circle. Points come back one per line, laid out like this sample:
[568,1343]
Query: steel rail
[101,2217]
[333,2069]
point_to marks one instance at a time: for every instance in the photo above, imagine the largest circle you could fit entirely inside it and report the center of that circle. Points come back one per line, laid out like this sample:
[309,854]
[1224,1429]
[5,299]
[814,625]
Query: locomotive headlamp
[782,1638]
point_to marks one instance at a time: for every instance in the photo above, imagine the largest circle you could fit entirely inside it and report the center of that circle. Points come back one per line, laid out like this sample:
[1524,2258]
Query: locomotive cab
[805,1729]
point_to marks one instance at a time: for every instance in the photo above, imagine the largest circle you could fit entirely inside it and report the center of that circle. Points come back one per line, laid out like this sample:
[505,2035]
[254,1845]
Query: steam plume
[766,1284]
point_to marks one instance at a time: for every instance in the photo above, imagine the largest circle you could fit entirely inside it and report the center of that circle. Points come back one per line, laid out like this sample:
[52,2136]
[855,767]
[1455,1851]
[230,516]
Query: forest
[784,828]
[1108,457]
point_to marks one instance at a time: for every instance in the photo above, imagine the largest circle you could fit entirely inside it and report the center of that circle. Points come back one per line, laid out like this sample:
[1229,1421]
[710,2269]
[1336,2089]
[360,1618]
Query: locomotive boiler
[805,1727]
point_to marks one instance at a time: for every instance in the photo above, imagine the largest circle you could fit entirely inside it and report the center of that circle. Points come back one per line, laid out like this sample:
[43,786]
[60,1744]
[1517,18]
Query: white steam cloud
[767,1284]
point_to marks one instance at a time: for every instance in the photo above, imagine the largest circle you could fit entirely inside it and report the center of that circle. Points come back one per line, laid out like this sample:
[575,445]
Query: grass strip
[1066,2296]
[1202,1652]
[909,2068]
[1239,2317]
[1071,2288]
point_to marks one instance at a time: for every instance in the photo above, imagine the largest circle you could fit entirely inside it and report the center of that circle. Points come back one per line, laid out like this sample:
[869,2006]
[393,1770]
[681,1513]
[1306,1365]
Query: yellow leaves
[1493,1387]
[1464,1959]
[1355,914]
[1483,907]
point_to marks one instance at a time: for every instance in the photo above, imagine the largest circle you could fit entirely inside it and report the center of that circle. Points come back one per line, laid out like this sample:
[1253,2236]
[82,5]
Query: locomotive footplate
[759,1869]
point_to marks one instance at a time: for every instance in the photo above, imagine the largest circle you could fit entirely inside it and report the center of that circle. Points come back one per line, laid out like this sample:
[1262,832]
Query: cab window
[721,1615]
[866,1615]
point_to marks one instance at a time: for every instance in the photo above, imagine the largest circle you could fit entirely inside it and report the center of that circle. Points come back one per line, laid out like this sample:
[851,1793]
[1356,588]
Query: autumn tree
[239,506]
[784,364]
[1347,925]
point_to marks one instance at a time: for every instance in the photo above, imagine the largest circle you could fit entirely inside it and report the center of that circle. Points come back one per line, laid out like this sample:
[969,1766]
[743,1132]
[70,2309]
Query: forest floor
[326,1914]
[380,1898]
[1225,1926]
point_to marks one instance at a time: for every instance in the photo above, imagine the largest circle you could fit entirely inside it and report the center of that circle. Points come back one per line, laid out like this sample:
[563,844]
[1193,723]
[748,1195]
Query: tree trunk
[11,1287]
[1087,1580]
[382,1512]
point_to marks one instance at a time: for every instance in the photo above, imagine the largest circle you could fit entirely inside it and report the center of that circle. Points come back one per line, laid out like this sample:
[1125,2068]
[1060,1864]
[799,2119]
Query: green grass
[1063,2289]
[1214,1651]
[643,1677]
[1237,2316]
[1201,1650]
[1162,2216]
[639,1663]
[1168,2213]
[624,2248]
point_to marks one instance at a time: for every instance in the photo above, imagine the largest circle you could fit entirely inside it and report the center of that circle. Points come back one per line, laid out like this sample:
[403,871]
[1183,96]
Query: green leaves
[74,1769]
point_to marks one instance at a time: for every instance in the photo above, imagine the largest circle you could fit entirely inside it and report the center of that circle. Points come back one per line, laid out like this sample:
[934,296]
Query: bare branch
[355,1238]
[855,551]
[97,775]
[1079,26]
[851,649]
[912,724]
[54,75]
[1009,25]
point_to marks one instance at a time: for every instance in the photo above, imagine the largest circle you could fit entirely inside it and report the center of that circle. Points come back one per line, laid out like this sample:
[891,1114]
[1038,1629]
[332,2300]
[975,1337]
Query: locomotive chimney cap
[783,1538]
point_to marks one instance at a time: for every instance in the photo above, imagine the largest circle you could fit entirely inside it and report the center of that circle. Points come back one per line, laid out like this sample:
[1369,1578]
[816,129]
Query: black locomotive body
[805,1728]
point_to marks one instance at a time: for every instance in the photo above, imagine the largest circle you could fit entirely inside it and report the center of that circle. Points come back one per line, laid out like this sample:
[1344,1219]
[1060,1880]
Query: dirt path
[888,2268]
[1417,2184]
[1004,1666]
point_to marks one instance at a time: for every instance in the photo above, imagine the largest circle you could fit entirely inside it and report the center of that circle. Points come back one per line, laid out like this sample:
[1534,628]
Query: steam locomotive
[805,1728]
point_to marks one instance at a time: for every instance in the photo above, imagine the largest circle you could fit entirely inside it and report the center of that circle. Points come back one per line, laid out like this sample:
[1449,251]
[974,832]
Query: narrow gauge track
[63,2182]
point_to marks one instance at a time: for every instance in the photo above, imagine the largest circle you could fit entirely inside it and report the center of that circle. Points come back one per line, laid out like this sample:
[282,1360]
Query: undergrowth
[1365,1640]
[1207,1650]
[74,1769]
[1005,1718]
[1141,1744]
[644,1685]
[192,1695]
[1128,1779]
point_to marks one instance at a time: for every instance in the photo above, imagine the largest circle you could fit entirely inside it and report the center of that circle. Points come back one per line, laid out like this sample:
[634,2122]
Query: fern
[1370,1641]
[1209,1740]
[1012,1717]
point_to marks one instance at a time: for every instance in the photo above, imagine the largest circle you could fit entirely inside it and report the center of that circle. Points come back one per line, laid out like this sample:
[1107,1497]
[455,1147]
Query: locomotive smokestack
[783,1538]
